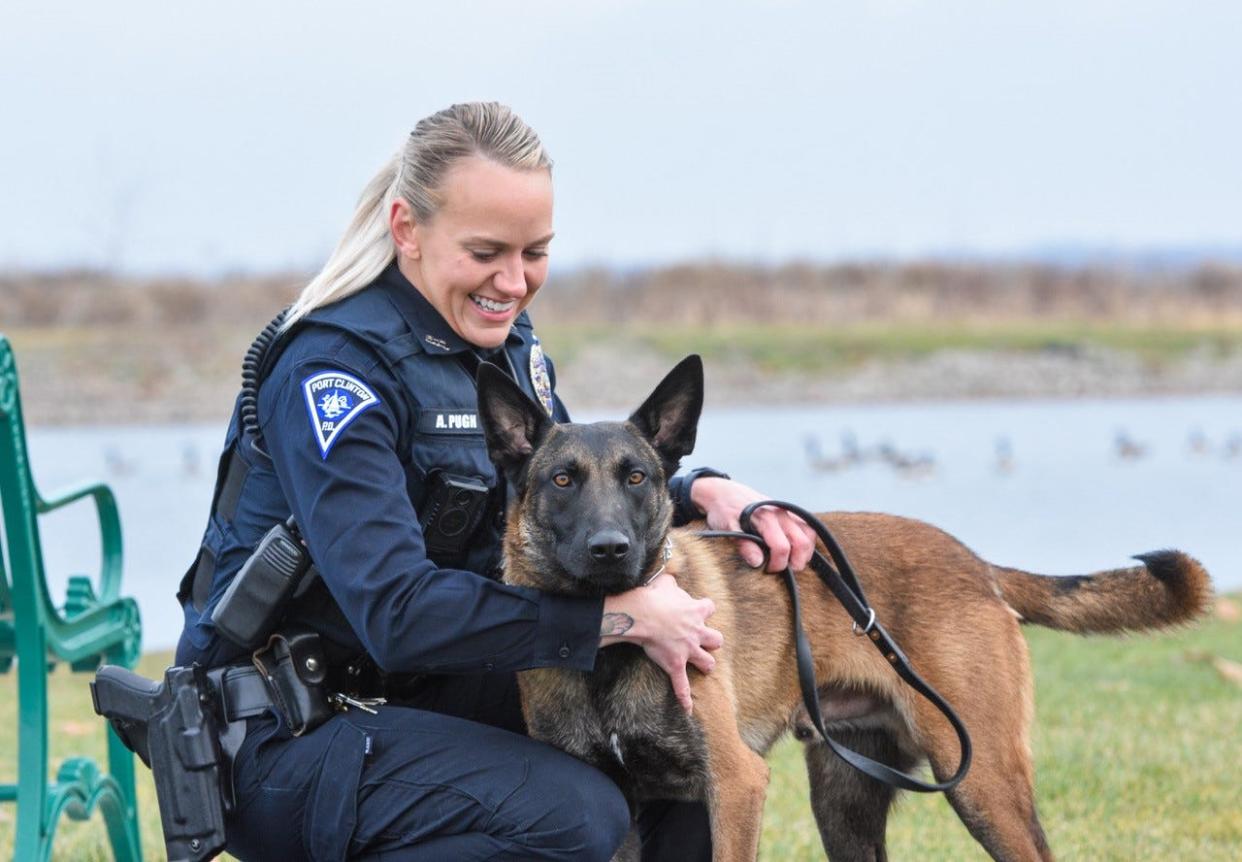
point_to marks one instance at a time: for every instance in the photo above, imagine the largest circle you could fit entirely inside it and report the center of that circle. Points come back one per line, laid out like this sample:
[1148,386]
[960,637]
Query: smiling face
[480,258]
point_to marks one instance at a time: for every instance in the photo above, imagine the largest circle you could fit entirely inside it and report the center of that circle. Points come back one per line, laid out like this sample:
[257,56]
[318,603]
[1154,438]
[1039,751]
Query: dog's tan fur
[599,531]
[956,617]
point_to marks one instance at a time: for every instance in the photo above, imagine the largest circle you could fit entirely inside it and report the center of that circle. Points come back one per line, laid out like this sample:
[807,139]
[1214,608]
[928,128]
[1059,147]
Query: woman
[365,432]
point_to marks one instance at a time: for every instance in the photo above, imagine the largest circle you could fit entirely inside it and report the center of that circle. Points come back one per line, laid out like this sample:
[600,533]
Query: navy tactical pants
[417,784]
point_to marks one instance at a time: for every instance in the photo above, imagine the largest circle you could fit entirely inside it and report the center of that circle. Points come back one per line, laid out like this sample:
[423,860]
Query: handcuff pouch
[295,670]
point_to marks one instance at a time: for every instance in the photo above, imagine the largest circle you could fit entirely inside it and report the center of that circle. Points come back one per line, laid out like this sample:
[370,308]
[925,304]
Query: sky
[155,137]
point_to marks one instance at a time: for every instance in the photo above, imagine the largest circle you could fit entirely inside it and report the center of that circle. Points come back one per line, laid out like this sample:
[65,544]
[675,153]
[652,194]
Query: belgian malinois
[577,488]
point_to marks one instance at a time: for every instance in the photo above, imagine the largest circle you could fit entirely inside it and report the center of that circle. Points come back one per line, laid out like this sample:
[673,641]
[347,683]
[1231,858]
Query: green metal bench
[88,629]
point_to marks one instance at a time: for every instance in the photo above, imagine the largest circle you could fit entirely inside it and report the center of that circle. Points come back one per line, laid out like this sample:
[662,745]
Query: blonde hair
[415,174]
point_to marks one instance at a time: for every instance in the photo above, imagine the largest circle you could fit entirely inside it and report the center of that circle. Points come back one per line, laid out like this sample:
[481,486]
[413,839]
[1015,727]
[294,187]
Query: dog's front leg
[738,776]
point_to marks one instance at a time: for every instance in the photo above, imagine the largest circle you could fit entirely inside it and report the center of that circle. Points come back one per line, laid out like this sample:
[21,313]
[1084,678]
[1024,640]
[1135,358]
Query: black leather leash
[845,586]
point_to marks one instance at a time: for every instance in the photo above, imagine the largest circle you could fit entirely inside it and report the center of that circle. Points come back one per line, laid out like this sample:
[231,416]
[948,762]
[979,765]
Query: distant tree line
[691,294]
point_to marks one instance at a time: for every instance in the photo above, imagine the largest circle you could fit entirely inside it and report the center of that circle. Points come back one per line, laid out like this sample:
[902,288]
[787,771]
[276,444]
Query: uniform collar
[434,334]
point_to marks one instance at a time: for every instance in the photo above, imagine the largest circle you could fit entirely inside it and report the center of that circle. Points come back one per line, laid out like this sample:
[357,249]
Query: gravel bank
[199,386]
[950,374]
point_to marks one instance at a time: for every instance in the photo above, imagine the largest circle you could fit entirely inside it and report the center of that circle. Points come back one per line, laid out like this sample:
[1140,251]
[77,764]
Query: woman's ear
[404,229]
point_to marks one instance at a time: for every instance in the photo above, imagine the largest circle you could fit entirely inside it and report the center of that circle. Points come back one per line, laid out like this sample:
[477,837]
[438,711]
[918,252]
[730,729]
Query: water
[1070,504]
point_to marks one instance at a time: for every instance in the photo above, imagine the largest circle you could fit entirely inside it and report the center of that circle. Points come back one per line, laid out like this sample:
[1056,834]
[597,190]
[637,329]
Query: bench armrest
[109,587]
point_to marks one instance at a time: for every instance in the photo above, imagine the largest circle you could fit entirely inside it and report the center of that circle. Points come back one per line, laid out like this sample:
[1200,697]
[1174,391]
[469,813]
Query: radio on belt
[255,600]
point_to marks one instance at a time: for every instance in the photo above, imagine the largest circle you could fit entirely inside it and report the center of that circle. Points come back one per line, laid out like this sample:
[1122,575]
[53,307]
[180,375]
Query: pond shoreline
[66,392]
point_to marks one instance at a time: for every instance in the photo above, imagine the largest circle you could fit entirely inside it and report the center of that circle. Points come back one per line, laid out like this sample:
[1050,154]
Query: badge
[333,400]
[539,375]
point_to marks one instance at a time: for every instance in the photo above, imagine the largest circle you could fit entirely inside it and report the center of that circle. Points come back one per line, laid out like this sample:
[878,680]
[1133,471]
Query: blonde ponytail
[362,253]
[415,174]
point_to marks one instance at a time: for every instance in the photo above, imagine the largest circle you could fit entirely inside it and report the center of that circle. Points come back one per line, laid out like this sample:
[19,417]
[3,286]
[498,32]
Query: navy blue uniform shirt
[366,400]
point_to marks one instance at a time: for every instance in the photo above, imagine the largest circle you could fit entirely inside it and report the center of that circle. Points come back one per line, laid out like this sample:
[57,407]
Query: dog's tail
[1169,588]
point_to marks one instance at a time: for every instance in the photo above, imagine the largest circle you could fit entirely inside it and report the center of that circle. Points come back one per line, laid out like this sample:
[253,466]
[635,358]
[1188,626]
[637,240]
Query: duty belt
[189,727]
[242,691]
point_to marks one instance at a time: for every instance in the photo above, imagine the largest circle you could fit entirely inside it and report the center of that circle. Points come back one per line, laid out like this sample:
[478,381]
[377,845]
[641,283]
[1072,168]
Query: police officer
[365,431]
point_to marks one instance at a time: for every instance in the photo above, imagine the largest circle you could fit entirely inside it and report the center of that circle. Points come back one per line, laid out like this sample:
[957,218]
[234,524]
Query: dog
[956,616]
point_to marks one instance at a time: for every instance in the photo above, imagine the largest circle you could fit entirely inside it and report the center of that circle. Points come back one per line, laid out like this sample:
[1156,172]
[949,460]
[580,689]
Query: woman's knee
[587,817]
[606,816]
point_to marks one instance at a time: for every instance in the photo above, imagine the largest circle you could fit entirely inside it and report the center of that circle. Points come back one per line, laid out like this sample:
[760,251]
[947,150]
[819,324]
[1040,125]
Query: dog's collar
[668,555]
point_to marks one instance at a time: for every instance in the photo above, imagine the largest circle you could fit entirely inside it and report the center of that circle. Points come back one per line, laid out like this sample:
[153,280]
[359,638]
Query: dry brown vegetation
[854,293]
[692,294]
[94,347]
[71,299]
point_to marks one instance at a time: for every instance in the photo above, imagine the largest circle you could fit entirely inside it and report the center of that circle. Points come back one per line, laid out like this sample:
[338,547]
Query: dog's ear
[669,418]
[513,424]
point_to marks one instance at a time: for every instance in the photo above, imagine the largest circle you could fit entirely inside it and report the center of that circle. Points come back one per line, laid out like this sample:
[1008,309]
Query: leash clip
[870,624]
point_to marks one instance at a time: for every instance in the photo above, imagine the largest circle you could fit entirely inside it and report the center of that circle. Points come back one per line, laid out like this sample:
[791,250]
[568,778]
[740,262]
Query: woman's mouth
[492,306]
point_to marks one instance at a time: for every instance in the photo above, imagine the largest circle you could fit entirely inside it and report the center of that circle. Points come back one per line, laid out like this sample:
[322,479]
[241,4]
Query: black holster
[189,727]
[174,727]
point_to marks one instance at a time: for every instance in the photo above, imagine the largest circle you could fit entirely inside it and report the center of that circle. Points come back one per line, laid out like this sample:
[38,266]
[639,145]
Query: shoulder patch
[333,400]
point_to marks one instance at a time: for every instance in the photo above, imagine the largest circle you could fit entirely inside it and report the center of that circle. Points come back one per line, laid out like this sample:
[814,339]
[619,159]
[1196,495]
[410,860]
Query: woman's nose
[511,279]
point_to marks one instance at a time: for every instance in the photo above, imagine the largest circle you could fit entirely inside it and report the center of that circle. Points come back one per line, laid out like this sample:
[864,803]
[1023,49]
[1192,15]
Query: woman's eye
[562,480]
[483,256]
[536,253]
[637,477]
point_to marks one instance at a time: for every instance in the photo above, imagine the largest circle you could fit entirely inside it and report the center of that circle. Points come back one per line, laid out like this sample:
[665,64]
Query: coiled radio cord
[252,368]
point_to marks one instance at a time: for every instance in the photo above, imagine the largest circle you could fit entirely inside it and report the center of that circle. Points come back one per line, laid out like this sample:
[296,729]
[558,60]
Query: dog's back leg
[851,809]
[996,800]
[1005,823]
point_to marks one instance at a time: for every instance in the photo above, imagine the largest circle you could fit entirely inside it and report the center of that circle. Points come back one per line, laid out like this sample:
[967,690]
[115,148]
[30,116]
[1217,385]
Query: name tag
[448,421]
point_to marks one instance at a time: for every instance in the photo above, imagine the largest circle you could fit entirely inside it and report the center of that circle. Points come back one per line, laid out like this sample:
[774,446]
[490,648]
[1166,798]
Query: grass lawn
[777,348]
[1138,749]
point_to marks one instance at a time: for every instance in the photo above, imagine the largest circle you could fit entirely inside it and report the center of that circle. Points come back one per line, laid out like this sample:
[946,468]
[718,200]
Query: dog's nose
[609,545]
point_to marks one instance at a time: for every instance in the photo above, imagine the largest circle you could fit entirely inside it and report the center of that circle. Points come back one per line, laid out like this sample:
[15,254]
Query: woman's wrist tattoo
[615,624]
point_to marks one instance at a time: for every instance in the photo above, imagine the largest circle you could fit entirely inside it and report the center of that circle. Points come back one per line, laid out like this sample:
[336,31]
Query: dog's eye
[562,480]
[637,477]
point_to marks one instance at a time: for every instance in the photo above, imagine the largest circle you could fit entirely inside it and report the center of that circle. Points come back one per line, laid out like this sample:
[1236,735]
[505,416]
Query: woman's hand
[790,541]
[669,624]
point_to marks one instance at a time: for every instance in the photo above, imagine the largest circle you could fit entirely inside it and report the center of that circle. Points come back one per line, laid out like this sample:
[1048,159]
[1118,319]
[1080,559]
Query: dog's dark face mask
[590,502]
